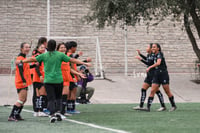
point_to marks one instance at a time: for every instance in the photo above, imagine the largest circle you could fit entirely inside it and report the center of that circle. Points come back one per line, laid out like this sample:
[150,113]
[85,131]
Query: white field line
[86,124]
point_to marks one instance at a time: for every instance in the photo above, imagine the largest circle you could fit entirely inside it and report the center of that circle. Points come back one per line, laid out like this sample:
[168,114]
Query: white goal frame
[98,61]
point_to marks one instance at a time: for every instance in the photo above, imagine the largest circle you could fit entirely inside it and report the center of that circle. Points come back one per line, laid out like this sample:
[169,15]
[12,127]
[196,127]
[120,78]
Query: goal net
[90,47]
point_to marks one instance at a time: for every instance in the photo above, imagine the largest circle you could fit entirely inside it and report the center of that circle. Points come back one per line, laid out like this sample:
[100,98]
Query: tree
[131,12]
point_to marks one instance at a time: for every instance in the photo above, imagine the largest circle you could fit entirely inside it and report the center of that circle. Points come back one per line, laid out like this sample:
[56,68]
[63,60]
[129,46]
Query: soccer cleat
[12,118]
[19,118]
[137,108]
[59,116]
[42,114]
[46,111]
[161,109]
[173,109]
[145,109]
[53,119]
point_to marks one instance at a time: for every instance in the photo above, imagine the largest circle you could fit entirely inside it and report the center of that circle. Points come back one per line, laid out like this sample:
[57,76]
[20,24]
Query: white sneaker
[59,116]
[35,114]
[137,108]
[53,119]
[161,109]
[42,114]
[67,114]
[173,109]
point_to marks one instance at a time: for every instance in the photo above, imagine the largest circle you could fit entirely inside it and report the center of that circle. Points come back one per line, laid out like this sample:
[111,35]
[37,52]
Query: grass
[117,116]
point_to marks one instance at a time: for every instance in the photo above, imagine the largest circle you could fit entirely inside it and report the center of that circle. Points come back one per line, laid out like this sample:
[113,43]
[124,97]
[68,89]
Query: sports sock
[143,97]
[150,100]
[15,111]
[64,104]
[73,105]
[161,99]
[171,99]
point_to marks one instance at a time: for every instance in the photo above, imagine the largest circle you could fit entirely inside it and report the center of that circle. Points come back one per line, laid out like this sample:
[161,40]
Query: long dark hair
[22,45]
[51,45]
[35,50]
[42,40]
[158,45]
[70,44]
[59,44]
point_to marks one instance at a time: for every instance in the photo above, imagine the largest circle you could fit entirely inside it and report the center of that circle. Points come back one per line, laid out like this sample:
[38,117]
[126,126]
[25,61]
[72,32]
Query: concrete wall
[25,21]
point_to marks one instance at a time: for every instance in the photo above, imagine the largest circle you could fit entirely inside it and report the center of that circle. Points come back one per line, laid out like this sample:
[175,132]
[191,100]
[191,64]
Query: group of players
[54,79]
[55,75]
[157,75]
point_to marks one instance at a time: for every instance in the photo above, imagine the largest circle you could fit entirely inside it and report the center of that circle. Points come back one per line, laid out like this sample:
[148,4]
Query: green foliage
[110,12]
[131,12]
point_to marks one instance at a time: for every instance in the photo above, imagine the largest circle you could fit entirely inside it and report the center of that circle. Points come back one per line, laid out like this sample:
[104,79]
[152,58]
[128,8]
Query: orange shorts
[66,83]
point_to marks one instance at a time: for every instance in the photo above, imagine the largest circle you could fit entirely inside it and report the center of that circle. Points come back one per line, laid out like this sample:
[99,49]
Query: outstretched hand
[138,57]
[138,51]
[88,64]
[82,75]
[17,62]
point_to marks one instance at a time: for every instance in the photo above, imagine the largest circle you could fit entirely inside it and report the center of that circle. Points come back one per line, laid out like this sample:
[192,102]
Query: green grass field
[186,119]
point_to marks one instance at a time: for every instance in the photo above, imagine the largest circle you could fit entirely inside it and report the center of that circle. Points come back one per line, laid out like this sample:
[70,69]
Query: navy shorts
[160,77]
[18,90]
[149,78]
[37,85]
[72,85]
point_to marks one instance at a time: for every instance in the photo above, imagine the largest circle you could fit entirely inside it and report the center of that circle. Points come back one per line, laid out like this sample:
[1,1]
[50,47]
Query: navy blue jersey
[162,65]
[149,60]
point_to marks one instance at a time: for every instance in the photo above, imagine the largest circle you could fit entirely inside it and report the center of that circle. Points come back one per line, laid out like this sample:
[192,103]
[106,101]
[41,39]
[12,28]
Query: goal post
[91,49]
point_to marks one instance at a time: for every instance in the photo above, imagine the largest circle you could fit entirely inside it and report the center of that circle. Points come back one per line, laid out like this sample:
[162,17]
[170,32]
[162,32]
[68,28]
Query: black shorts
[160,77]
[18,90]
[72,85]
[37,85]
[149,77]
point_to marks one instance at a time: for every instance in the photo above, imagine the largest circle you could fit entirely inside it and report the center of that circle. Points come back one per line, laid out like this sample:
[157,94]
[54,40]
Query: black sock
[161,99]
[69,105]
[34,104]
[15,111]
[42,102]
[143,97]
[150,100]
[64,104]
[73,105]
[20,110]
[171,99]
[37,103]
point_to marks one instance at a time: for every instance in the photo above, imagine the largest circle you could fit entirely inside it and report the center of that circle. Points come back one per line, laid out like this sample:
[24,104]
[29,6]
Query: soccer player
[149,60]
[71,49]
[22,81]
[161,76]
[65,67]
[39,98]
[53,79]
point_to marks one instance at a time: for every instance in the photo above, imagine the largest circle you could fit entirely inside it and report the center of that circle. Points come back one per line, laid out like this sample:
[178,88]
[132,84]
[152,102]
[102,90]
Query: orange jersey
[26,74]
[65,68]
[36,77]
[75,68]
